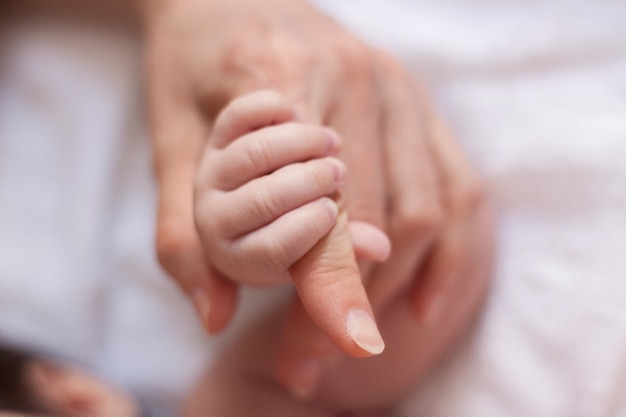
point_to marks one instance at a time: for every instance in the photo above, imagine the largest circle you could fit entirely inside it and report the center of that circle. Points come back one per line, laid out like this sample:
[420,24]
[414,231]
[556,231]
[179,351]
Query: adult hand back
[405,173]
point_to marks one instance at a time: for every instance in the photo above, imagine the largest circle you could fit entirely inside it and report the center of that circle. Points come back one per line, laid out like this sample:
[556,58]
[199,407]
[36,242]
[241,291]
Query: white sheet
[78,275]
[536,91]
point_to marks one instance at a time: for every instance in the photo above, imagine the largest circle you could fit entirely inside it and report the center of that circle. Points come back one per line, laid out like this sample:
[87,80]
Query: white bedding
[536,91]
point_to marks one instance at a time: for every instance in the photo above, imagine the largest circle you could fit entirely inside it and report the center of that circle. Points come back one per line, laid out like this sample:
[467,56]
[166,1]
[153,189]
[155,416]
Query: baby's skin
[269,210]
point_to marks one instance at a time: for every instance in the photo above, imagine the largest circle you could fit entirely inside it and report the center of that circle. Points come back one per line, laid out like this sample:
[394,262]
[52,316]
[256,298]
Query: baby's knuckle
[266,202]
[259,153]
[275,255]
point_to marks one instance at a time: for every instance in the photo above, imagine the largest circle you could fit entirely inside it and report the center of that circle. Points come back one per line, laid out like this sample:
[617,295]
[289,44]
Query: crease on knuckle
[355,60]
[389,65]
[259,153]
[174,242]
[276,257]
[469,194]
[266,202]
[415,221]
[366,210]
[331,281]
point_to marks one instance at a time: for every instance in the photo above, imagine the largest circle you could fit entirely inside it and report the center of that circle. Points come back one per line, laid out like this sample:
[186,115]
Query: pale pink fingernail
[202,303]
[304,378]
[334,141]
[362,329]
[339,170]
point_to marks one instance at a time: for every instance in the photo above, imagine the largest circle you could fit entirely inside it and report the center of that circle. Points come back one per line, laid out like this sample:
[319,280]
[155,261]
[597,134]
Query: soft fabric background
[536,92]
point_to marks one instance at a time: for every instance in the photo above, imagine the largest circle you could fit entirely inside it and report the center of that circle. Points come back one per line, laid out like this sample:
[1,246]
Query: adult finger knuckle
[354,58]
[330,280]
[389,65]
[470,193]
[173,244]
[414,221]
[455,257]
[367,210]
[475,192]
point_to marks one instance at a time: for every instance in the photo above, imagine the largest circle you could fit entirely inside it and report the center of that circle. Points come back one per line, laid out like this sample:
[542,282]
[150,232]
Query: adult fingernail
[362,329]
[202,303]
[304,377]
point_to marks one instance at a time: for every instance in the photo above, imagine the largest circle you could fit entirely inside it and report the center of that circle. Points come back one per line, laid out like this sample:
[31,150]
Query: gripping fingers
[263,200]
[282,242]
[250,112]
[304,350]
[329,284]
[266,150]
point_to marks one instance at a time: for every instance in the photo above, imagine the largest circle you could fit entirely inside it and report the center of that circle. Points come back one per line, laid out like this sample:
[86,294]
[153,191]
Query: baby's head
[33,385]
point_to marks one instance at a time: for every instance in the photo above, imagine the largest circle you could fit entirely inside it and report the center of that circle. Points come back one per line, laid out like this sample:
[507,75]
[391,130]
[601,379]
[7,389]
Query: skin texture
[265,216]
[407,175]
[242,382]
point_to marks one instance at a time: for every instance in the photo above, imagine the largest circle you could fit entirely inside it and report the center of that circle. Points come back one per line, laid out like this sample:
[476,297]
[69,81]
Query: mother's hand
[405,175]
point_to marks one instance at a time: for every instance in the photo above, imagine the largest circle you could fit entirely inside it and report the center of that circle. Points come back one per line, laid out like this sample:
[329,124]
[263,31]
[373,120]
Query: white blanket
[536,92]
[78,274]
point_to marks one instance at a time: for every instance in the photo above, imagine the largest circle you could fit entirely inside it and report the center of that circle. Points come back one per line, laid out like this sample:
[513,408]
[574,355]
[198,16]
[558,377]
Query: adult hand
[204,53]
[402,176]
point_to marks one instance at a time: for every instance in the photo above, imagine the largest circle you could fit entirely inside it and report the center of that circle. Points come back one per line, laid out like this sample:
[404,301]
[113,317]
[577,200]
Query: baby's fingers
[282,242]
[266,150]
[261,201]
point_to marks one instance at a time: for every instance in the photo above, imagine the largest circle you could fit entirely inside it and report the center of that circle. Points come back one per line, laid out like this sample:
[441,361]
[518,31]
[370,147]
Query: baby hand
[265,215]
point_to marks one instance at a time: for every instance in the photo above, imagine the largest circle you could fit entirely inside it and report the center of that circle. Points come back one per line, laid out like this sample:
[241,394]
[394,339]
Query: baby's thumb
[329,284]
